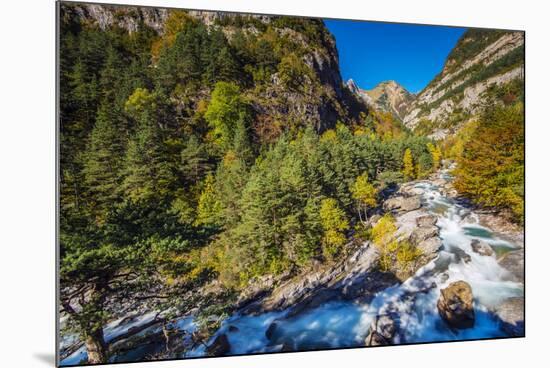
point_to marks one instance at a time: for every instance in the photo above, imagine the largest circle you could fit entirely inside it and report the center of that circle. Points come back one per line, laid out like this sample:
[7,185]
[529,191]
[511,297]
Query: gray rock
[366,285]
[220,346]
[404,204]
[514,262]
[385,326]
[430,246]
[270,330]
[462,255]
[410,189]
[456,305]
[469,219]
[511,316]
[124,17]
[422,233]
[426,221]
[439,182]
[481,247]
[375,339]
[382,330]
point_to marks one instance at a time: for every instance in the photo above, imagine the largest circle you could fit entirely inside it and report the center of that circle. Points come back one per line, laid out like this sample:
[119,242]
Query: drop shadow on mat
[47,358]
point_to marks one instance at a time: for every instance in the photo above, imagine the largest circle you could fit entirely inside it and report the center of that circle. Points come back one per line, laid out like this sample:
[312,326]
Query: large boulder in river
[514,262]
[404,204]
[270,330]
[220,346]
[511,316]
[430,247]
[382,330]
[375,339]
[422,233]
[456,305]
[426,221]
[461,255]
[481,247]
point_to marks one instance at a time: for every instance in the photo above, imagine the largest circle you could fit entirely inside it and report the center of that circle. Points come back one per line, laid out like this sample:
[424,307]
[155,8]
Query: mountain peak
[387,96]
[390,96]
[390,82]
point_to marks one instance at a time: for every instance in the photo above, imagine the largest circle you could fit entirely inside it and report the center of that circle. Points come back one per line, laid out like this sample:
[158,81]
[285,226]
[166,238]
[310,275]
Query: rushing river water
[340,324]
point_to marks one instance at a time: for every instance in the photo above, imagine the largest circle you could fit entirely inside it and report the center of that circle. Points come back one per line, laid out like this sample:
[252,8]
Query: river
[338,324]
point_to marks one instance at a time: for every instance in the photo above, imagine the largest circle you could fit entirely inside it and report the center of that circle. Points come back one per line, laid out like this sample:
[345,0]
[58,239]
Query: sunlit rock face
[480,60]
[388,96]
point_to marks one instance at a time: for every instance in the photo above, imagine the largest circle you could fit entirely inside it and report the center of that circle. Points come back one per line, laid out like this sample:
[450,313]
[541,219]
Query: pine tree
[111,76]
[148,172]
[84,90]
[226,66]
[194,160]
[221,63]
[103,158]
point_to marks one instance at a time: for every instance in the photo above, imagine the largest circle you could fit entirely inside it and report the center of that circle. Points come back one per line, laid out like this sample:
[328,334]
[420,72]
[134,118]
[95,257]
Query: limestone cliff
[481,59]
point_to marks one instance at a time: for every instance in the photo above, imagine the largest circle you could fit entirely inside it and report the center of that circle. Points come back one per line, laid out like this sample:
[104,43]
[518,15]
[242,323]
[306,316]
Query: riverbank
[353,303]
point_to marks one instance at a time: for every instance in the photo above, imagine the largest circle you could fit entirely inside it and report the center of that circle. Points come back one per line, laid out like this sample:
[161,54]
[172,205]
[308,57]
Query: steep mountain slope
[297,82]
[481,59]
[388,96]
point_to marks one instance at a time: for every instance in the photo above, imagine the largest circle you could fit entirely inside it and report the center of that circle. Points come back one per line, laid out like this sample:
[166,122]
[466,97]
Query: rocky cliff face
[131,18]
[105,16]
[387,96]
[320,101]
[481,59]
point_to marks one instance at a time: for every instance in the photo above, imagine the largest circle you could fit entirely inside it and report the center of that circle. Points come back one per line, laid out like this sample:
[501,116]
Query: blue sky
[411,55]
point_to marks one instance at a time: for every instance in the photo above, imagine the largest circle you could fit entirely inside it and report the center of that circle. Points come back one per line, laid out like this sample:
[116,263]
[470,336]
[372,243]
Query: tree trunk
[96,347]
[166,334]
[95,342]
[364,222]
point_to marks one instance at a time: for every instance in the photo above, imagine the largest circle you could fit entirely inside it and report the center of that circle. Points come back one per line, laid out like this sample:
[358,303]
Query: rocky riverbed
[467,284]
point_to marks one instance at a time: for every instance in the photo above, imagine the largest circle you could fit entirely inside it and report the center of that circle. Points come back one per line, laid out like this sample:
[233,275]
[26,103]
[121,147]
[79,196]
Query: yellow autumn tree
[335,223]
[365,195]
[408,165]
[141,99]
[383,237]
[393,252]
[435,151]
[209,206]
